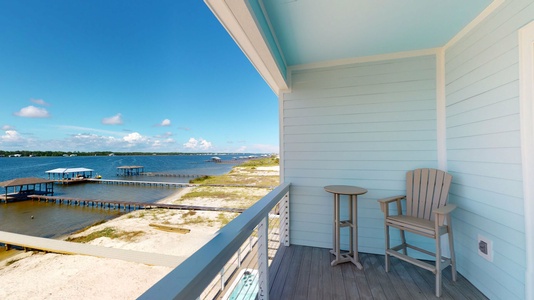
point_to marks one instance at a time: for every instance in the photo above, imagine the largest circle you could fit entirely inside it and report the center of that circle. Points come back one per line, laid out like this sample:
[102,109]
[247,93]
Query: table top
[345,189]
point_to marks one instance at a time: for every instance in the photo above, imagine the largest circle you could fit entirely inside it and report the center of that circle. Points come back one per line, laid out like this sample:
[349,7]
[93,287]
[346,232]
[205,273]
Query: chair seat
[412,224]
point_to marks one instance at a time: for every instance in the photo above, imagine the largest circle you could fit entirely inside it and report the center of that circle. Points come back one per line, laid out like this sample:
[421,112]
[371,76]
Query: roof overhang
[237,19]
[279,36]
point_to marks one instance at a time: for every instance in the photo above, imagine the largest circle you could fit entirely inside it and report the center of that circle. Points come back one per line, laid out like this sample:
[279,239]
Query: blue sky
[150,76]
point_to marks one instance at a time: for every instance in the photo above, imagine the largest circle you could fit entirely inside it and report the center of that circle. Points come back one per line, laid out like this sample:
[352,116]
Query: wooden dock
[64,247]
[140,183]
[171,184]
[171,175]
[127,205]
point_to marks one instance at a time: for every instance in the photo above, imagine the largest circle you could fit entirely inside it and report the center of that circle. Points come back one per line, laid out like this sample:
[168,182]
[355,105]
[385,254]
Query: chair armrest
[391,199]
[446,209]
[442,214]
[384,203]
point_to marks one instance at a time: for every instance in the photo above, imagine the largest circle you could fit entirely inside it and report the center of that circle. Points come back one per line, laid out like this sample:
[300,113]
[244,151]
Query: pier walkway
[172,184]
[155,174]
[127,204]
[140,183]
[63,247]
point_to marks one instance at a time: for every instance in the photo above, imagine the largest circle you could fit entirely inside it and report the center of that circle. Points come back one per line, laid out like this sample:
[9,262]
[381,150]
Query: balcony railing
[249,232]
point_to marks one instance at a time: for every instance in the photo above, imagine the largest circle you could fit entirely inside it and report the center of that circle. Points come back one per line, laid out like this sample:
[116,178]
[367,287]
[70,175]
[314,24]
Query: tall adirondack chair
[426,214]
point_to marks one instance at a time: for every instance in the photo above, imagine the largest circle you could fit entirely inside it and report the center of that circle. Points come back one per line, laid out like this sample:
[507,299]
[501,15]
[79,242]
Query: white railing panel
[189,279]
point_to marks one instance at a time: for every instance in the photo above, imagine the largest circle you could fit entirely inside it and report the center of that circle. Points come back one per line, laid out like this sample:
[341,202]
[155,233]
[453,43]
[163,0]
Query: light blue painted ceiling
[310,31]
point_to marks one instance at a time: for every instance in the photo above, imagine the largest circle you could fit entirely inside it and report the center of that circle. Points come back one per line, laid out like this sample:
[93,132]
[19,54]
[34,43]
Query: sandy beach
[36,275]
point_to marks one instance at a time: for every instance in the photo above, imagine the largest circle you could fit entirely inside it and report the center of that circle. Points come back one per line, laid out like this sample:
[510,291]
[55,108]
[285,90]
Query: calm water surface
[53,220]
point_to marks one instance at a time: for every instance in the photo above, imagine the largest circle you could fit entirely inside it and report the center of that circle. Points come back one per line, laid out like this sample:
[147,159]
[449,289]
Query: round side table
[351,223]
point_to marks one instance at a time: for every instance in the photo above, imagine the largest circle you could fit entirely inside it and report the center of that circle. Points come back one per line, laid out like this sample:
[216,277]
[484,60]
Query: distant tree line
[27,153]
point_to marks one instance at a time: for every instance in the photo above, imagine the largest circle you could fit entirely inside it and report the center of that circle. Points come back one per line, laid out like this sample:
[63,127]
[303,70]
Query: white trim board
[481,17]
[364,59]
[526,99]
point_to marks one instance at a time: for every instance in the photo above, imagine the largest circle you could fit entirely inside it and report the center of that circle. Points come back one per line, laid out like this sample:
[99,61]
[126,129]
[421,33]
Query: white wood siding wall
[364,124]
[483,141]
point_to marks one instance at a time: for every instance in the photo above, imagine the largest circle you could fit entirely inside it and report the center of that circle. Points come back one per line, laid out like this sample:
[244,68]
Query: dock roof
[69,170]
[24,181]
[130,167]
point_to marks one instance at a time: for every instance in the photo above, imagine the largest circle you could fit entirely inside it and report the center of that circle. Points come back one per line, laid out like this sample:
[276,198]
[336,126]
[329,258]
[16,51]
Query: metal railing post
[263,258]
[284,220]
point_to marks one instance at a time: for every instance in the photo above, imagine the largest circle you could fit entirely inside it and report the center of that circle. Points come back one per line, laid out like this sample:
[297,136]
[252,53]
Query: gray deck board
[302,272]
[303,280]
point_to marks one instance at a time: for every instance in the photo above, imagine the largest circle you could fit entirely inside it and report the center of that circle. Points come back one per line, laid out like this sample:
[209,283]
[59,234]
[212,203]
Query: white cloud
[88,129]
[11,136]
[133,137]
[115,120]
[7,127]
[32,112]
[205,145]
[40,102]
[165,122]
[200,144]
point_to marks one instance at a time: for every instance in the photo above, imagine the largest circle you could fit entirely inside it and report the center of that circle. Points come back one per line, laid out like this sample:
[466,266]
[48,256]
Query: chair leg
[387,247]
[403,240]
[451,247]
[438,265]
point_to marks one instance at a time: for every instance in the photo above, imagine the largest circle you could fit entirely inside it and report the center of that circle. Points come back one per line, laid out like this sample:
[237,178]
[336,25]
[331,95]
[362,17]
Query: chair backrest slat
[431,192]
[409,192]
[426,189]
[422,193]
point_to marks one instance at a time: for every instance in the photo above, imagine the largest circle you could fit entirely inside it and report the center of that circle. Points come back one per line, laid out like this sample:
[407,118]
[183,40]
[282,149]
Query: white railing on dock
[197,275]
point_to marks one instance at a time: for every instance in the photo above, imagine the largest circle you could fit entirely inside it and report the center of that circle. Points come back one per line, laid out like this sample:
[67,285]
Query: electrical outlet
[485,248]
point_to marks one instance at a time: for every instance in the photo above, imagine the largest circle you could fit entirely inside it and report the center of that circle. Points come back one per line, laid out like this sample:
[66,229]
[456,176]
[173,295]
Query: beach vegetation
[108,232]
[261,162]
[189,213]
[12,261]
[197,220]
[90,226]
[235,197]
[225,218]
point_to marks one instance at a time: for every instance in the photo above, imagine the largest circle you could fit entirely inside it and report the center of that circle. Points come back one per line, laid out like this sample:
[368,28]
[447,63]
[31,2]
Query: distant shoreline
[30,153]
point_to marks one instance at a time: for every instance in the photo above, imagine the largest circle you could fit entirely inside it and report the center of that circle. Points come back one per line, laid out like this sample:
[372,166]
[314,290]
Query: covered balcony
[256,243]
[367,91]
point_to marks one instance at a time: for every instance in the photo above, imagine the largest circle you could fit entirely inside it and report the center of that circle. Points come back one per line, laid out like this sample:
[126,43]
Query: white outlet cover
[489,242]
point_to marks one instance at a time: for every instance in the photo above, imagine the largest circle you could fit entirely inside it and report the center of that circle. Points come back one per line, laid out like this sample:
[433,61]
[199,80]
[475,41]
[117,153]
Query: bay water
[52,220]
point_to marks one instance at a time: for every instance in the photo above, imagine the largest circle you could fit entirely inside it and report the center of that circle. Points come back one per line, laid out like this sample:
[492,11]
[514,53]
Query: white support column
[441,108]
[263,259]
[441,127]
[526,100]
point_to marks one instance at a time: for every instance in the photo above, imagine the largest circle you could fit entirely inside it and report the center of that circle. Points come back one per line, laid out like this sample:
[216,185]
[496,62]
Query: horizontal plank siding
[483,150]
[363,124]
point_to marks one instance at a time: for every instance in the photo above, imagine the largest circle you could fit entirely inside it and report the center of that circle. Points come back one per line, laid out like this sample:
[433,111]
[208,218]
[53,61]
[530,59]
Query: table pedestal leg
[352,254]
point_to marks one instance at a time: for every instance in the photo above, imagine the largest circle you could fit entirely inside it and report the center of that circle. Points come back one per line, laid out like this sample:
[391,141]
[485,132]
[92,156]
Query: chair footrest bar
[445,261]
[345,223]
[411,260]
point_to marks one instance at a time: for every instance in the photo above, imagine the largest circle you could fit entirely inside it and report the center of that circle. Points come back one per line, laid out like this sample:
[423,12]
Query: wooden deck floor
[299,272]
